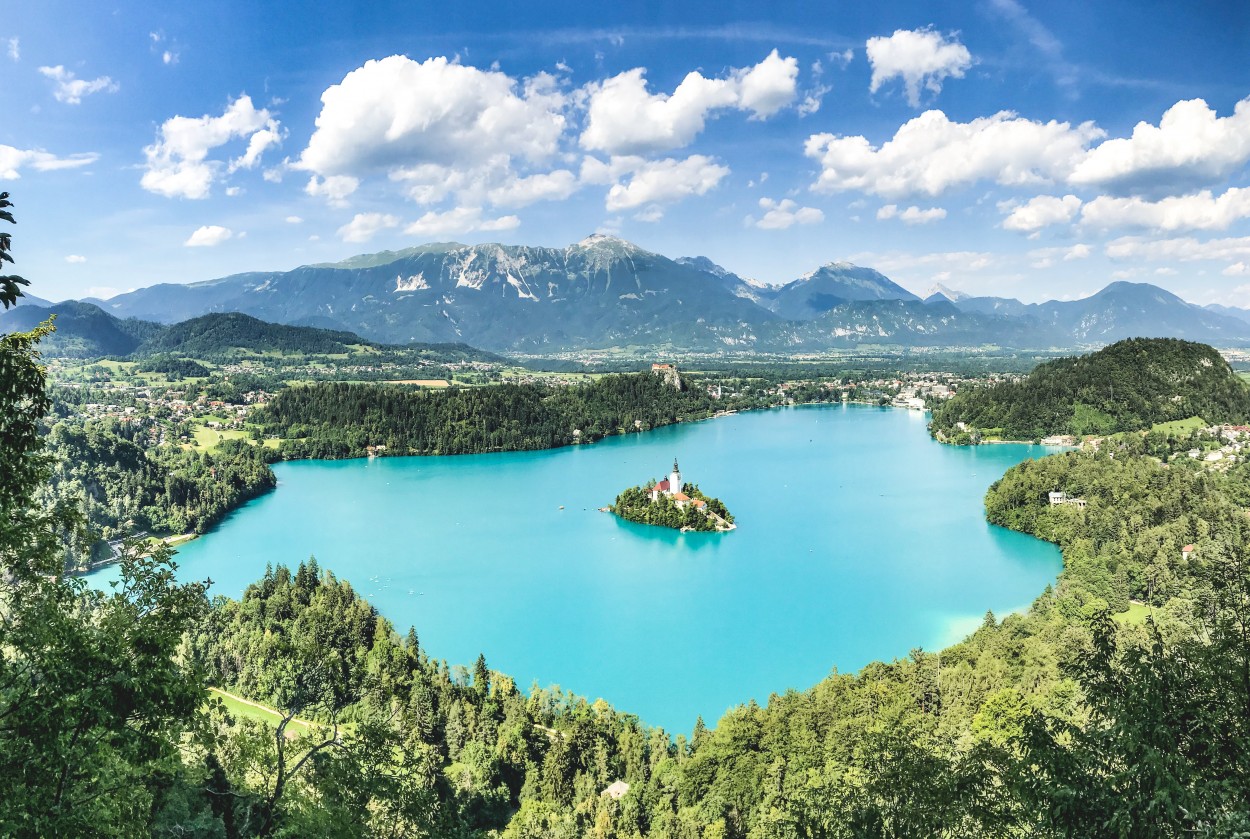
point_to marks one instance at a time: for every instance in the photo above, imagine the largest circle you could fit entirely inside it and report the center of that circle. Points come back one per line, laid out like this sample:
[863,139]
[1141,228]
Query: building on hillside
[1057,498]
[1187,551]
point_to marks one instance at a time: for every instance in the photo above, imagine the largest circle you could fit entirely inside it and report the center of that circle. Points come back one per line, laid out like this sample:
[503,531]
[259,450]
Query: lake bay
[858,538]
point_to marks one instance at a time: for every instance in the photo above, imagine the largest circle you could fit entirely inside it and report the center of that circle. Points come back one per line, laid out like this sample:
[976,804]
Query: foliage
[635,504]
[122,487]
[1128,386]
[329,420]
[93,700]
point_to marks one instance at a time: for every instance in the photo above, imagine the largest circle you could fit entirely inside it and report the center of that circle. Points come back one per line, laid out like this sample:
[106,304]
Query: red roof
[680,496]
[1187,549]
[662,486]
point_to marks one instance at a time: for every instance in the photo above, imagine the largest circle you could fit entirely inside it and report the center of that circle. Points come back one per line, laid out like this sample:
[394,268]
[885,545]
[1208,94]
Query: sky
[1006,147]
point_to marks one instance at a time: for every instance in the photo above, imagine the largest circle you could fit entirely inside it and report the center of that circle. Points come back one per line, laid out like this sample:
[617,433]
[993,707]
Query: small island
[672,503]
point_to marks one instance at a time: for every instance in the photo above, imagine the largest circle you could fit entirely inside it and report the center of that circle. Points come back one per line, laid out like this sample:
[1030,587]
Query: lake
[859,538]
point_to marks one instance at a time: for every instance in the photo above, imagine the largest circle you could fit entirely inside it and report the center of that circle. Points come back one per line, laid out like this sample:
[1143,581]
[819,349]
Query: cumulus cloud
[1190,147]
[459,220]
[1042,211]
[921,58]
[207,236]
[778,215]
[1179,249]
[334,189]
[70,90]
[930,154]
[441,130]
[178,165]
[623,118]
[15,49]
[911,215]
[364,226]
[666,180]
[1200,211]
[74,259]
[1237,269]
[13,159]
[294,220]
[396,112]
[1045,257]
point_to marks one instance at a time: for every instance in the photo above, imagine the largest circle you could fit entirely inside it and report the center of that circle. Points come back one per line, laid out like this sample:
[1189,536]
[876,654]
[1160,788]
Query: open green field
[208,438]
[1136,614]
[240,707]
[1180,427]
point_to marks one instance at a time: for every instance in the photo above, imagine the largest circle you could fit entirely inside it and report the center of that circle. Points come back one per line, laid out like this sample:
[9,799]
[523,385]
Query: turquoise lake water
[858,538]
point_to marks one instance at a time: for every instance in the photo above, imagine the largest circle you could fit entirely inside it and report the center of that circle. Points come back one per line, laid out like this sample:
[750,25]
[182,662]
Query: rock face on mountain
[606,292]
[601,291]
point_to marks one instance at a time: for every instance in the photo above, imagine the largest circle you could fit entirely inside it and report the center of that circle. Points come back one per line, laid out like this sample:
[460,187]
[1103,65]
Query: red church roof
[662,486]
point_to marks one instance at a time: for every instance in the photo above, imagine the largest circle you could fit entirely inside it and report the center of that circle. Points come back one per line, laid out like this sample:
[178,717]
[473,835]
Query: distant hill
[1128,386]
[83,330]
[211,335]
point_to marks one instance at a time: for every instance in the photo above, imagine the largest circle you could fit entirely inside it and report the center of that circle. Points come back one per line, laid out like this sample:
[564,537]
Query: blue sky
[997,147]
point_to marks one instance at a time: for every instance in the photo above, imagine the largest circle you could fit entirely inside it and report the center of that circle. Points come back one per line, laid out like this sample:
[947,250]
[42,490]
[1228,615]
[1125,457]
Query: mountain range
[606,292]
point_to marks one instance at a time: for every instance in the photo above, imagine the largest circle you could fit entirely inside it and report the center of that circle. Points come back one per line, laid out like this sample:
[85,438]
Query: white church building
[672,486]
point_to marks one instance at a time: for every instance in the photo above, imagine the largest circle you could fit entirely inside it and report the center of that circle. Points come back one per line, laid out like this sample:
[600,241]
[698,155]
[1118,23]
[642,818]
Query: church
[672,486]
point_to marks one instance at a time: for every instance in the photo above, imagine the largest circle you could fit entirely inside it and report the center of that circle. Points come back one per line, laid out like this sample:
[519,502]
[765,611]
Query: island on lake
[672,503]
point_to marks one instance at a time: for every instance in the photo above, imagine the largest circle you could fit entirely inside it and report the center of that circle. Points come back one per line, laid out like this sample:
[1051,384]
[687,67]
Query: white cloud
[1200,211]
[364,226]
[922,58]
[930,154]
[1045,257]
[169,57]
[545,186]
[207,236]
[767,87]
[458,220]
[666,180]
[624,119]
[650,214]
[396,112]
[911,215]
[232,191]
[71,90]
[103,292]
[1191,147]
[335,188]
[294,220]
[1237,269]
[778,215]
[441,129]
[178,165]
[12,160]
[1042,211]
[1179,249]
[15,49]
[75,259]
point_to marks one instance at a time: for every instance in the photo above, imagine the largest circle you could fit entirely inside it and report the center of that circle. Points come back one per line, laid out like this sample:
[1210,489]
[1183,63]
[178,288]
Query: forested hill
[328,420]
[1128,386]
[213,334]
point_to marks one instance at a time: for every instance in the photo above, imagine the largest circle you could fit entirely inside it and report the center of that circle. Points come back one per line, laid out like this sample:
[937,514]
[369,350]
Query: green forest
[331,419]
[635,504]
[121,487]
[1130,385]
[1074,718]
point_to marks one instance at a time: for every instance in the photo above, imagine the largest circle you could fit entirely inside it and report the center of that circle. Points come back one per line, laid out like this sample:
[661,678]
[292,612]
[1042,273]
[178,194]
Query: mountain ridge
[604,291]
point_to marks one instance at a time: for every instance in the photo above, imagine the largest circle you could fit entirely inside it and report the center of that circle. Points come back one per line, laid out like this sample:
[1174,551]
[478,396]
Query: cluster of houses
[1235,439]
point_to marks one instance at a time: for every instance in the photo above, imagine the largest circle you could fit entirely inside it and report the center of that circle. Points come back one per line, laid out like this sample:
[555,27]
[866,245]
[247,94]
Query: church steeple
[674,480]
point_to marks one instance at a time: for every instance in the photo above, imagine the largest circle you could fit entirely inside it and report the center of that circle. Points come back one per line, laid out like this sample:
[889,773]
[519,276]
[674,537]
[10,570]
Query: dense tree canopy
[1128,386]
